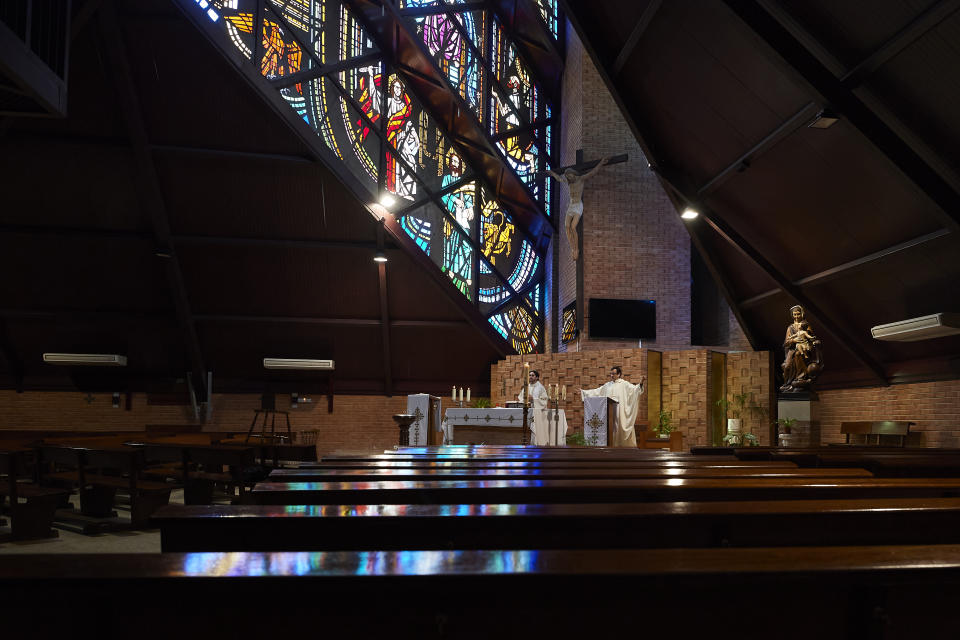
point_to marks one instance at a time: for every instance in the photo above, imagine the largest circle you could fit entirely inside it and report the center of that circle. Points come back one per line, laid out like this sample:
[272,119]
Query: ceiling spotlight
[387,200]
[824,120]
[380,256]
[689,214]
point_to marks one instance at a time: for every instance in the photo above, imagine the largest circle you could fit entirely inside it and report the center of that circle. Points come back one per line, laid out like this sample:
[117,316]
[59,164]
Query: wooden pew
[360,475]
[559,526]
[547,464]
[597,491]
[894,428]
[98,489]
[33,517]
[826,593]
[198,485]
[272,449]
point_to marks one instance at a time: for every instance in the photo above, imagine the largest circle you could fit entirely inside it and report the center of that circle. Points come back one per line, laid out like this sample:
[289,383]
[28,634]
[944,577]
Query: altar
[496,425]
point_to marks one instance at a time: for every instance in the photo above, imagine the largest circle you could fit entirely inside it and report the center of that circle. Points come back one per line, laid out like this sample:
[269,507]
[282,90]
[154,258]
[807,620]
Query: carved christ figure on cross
[575,182]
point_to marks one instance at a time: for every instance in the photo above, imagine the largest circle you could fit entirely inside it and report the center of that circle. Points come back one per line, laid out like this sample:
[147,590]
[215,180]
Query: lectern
[426,424]
[601,419]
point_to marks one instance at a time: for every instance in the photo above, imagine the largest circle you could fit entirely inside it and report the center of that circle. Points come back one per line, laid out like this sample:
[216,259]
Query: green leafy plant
[785,425]
[576,438]
[741,404]
[482,403]
[738,439]
[664,424]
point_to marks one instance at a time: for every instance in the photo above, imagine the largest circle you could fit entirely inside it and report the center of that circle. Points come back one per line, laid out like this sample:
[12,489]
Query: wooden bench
[598,491]
[358,475]
[559,526]
[32,507]
[878,428]
[202,467]
[98,474]
[810,592]
[548,464]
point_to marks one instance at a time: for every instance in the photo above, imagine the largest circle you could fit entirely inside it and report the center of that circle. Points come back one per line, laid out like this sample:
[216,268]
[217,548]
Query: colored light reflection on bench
[367,563]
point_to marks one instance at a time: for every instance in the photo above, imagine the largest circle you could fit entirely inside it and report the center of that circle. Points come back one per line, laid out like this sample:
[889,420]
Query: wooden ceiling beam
[769,141]
[812,66]
[833,272]
[634,38]
[384,315]
[728,233]
[923,23]
[14,364]
[117,69]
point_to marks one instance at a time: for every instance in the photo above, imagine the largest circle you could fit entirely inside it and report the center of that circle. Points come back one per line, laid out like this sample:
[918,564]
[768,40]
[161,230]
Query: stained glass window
[520,327]
[332,75]
[548,9]
[568,330]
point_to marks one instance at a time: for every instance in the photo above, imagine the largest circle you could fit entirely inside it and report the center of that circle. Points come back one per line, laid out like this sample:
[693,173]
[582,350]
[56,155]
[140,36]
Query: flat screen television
[623,319]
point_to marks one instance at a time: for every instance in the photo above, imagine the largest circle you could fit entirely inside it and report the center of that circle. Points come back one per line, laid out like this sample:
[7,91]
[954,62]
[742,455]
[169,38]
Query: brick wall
[750,372]
[934,406]
[358,423]
[685,380]
[634,243]
[571,139]
[585,369]
[684,393]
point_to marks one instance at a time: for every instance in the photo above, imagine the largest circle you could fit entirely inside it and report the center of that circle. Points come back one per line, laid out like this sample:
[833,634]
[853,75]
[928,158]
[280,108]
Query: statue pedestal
[804,407]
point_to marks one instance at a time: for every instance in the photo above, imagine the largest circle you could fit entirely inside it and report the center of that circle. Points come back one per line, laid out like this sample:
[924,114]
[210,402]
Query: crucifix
[574,176]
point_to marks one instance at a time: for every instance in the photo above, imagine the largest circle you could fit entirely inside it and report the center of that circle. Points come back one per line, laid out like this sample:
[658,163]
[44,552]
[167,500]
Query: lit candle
[468,394]
[453,394]
[461,394]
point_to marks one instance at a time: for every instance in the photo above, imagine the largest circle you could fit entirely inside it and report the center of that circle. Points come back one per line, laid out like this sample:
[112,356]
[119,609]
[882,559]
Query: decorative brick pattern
[585,369]
[750,372]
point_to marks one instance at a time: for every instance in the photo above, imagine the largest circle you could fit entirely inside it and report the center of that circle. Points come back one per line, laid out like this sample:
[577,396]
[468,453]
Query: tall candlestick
[461,394]
[453,394]
[468,394]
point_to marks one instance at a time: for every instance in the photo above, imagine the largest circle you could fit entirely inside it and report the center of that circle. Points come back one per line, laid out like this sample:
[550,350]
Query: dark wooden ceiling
[858,222]
[172,216]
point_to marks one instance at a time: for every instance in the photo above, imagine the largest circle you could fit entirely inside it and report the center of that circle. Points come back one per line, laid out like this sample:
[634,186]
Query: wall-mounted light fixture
[380,256]
[297,363]
[690,214]
[86,359]
[824,120]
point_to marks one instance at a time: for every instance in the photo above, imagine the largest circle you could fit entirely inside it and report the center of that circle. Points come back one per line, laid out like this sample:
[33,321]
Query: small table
[500,419]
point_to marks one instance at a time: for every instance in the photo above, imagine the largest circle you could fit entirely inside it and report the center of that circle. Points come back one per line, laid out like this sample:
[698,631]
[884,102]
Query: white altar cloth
[504,418]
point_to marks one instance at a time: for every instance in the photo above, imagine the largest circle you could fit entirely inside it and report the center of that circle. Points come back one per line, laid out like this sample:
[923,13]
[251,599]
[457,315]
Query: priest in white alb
[628,397]
[539,424]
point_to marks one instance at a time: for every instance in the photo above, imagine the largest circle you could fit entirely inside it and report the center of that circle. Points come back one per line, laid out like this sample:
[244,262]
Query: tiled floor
[144,541]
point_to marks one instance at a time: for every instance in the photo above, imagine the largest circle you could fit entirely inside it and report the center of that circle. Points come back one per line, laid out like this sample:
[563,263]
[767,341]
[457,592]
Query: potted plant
[739,405]
[738,439]
[785,425]
[664,425]
[784,429]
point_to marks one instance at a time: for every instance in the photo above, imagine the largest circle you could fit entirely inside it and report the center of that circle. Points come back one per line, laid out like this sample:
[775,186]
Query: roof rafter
[731,235]
[833,272]
[806,58]
[118,69]
[634,38]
